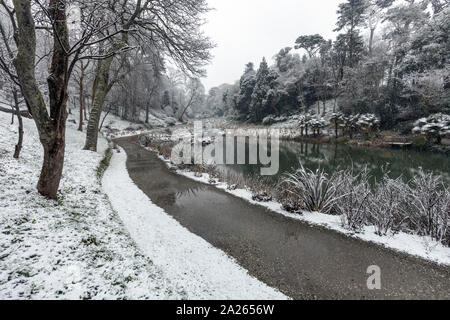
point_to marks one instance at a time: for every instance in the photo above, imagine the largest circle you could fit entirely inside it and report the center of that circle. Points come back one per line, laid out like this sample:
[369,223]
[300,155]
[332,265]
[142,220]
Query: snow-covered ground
[75,248]
[80,247]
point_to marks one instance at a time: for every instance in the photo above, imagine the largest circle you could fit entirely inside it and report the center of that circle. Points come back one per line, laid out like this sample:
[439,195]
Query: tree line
[390,58]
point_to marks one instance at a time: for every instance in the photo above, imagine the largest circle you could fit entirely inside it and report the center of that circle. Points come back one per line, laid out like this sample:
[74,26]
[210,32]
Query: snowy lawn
[79,248]
[75,248]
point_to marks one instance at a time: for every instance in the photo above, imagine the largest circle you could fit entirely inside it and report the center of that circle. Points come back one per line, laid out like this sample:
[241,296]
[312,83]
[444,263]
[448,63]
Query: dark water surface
[331,157]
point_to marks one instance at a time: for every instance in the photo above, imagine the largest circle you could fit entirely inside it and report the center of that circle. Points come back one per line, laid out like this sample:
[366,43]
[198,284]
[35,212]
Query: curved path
[304,262]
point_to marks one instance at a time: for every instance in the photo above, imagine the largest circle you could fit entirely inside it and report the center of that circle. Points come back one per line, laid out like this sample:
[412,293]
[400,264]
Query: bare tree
[194,93]
[6,66]
[80,74]
[171,26]
[52,18]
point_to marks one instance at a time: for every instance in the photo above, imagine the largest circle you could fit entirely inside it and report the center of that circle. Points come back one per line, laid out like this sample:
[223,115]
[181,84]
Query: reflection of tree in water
[334,157]
[190,192]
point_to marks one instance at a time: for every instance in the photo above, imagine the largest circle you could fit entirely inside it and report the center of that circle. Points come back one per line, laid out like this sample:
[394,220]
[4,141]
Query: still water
[331,157]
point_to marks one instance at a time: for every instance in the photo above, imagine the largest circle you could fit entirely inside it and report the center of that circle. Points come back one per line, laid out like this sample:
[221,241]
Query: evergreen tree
[246,86]
[351,17]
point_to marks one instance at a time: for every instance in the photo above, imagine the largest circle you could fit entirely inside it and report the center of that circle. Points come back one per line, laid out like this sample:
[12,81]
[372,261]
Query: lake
[332,157]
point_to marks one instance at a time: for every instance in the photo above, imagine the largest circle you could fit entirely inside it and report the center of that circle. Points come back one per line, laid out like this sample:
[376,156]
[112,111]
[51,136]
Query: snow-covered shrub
[288,197]
[360,122]
[314,190]
[350,125]
[317,124]
[262,189]
[434,128]
[429,206]
[337,120]
[368,122]
[386,205]
[304,122]
[353,192]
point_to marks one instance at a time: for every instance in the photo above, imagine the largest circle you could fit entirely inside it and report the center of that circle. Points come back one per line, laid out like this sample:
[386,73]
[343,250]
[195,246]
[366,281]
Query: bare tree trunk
[12,114]
[100,92]
[51,127]
[372,34]
[324,106]
[104,118]
[147,109]
[19,144]
[85,109]
[82,106]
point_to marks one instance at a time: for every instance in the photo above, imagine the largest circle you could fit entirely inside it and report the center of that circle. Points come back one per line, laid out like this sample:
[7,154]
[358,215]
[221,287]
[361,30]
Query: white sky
[247,30]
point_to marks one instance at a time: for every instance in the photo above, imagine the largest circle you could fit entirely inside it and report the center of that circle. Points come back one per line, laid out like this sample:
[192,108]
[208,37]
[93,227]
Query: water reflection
[331,157]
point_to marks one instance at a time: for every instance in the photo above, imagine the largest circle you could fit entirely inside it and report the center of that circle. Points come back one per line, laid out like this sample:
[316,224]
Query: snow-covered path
[191,263]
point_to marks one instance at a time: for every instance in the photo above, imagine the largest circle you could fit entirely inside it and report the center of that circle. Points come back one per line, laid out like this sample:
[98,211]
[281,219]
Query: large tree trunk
[51,127]
[101,90]
[52,167]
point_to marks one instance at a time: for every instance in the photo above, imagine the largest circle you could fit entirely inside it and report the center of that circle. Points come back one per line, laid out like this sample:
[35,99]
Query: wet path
[303,262]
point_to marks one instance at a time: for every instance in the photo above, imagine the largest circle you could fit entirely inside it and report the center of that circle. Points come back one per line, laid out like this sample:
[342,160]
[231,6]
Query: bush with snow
[314,190]
[434,128]
[308,121]
[352,199]
[386,205]
[337,120]
[368,122]
[429,203]
[317,124]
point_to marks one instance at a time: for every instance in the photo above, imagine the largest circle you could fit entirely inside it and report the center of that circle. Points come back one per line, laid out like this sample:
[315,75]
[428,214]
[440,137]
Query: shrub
[315,191]
[261,188]
[429,206]
[288,197]
[386,205]
[353,192]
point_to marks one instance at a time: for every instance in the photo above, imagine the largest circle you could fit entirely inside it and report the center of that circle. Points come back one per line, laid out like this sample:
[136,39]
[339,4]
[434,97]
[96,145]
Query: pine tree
[259,92]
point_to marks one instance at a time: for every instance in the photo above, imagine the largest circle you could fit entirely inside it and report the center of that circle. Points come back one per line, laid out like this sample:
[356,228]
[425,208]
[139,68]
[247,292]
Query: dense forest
[390,58]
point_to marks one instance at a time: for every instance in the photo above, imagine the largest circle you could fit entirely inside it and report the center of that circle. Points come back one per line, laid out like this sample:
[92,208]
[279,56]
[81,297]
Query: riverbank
[258,191]
[289,131]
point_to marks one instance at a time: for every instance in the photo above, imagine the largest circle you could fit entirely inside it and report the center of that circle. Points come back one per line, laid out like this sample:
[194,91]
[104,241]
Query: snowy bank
[203,271]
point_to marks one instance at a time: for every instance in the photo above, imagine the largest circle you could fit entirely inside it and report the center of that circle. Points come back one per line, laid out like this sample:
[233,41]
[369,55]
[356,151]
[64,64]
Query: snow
[418,246]
[191,263]
[75,248]
[79,248]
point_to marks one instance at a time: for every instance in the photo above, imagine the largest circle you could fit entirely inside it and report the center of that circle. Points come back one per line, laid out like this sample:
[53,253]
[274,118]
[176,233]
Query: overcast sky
[247,30]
